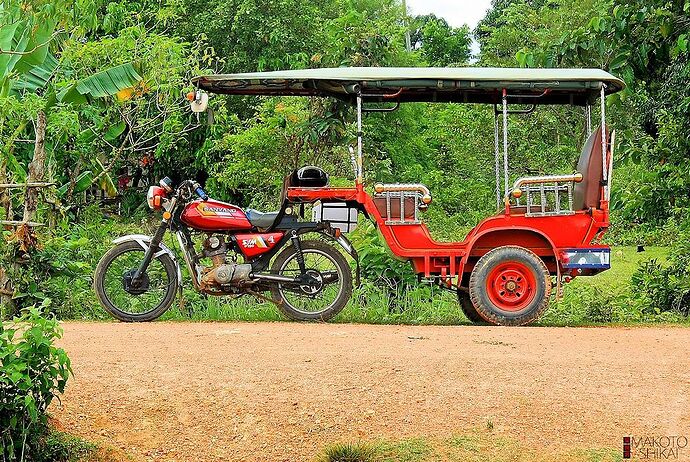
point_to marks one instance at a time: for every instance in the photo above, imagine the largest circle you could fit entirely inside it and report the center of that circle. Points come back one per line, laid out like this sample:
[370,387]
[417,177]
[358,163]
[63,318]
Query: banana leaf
[109,82]
[115,131]
[105,181]
[81,184]
[36,77]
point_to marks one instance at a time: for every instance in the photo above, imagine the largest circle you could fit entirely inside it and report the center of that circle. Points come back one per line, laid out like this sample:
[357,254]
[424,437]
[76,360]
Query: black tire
[344,276]
[169,267]
[510,286]
[468,308]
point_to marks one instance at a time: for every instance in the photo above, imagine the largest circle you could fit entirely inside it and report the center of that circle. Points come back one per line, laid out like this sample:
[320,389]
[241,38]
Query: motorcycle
[309,280]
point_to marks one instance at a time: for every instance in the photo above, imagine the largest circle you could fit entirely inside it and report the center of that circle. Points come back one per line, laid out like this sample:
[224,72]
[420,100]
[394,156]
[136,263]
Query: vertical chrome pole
[505,140]
[360,173]
[604,163]
[497,155]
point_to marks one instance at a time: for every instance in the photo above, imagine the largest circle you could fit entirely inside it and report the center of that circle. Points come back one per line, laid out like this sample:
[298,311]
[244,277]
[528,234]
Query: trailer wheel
[510,286]
[468,308]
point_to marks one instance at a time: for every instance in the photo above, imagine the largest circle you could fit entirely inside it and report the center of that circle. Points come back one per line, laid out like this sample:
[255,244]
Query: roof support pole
[497,155]
[360,173]
[604,142]
[505,141]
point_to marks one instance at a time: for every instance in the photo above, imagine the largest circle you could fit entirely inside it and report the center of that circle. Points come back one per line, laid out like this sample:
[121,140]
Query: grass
[475,446]
[58,446]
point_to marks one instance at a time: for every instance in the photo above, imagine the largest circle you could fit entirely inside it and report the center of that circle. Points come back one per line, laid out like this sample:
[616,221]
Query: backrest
[587,193]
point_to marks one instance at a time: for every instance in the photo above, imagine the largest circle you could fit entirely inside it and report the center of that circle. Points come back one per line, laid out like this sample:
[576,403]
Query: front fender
[144,241]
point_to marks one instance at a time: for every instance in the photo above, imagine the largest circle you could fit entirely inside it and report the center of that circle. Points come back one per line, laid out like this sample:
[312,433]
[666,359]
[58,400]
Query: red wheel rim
[511,286]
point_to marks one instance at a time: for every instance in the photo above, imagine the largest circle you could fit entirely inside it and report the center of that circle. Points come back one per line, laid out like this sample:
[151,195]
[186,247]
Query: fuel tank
[212,215]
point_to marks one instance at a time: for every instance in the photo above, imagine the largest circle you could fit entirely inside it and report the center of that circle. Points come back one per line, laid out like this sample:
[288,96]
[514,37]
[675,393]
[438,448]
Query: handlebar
[185,189]
[200,192]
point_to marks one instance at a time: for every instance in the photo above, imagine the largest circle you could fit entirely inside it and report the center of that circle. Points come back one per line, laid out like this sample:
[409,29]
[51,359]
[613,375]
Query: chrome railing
[401,192]
[545,194]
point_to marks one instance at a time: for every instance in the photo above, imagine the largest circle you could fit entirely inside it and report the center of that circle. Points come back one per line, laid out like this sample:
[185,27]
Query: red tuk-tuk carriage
[546,227]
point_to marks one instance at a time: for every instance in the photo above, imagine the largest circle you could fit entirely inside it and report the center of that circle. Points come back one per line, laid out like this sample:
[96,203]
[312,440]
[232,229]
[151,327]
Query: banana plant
[28,64]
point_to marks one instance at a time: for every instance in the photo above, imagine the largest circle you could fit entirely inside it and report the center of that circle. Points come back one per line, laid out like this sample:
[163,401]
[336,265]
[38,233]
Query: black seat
[587,193]
[260,219]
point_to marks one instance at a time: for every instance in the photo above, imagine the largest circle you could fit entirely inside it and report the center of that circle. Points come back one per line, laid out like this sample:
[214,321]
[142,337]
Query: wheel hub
[511,286]
[141,286]
[315,284]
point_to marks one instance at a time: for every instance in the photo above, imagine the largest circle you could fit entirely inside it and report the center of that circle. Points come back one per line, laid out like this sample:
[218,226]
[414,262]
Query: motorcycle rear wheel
[139,304]
[322,260]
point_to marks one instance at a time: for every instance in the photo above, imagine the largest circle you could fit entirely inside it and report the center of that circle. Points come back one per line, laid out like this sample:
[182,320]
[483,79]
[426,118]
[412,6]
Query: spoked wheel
[325,290]
[510,286]
[142,300]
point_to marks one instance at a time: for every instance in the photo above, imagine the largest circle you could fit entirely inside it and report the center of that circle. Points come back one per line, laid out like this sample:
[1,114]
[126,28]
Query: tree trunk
[36,168]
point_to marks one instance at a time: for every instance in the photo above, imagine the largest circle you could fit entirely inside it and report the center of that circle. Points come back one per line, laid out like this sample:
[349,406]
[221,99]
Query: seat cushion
[586,194]
[260,219]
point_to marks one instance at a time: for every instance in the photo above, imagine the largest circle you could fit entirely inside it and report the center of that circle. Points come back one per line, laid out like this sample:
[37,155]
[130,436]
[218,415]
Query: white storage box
[338,214]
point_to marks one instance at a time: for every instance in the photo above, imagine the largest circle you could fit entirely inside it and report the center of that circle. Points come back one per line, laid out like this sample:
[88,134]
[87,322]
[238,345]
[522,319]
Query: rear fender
[145,241]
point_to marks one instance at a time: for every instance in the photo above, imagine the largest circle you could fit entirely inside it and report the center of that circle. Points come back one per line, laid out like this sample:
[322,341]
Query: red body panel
[546,236]
[252,245]
[212,215]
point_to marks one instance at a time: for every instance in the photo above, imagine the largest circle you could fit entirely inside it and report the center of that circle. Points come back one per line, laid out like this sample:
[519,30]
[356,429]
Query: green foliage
[645,43]
[32,372]
[440,44]
[666,288]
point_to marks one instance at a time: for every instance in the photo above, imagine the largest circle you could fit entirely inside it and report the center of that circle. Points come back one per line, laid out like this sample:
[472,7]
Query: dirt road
[282,391]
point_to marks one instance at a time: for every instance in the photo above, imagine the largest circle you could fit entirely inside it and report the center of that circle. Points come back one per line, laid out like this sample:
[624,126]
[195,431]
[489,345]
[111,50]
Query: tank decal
[209,210]
[252,245]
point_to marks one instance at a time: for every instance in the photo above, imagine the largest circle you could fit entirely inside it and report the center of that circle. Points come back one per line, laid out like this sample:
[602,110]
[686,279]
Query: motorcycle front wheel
[129,302]
[331,288]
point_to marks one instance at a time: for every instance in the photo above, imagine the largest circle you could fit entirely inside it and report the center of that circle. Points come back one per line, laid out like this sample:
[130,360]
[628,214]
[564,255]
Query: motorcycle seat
[261,219]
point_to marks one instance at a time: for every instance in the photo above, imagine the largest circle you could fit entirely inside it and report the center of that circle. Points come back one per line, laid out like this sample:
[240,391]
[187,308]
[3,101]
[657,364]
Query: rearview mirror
[199,102]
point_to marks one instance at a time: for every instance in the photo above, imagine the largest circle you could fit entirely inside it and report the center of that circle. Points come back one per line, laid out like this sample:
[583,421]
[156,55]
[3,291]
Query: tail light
[155,197]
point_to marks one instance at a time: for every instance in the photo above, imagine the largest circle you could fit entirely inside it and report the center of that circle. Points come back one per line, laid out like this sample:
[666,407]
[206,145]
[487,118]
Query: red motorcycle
[308,279]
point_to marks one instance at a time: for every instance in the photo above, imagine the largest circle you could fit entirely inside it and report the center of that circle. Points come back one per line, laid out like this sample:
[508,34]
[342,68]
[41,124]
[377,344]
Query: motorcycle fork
[150,252]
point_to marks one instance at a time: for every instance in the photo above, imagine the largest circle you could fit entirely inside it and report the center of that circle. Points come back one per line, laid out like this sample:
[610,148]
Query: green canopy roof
[460,85]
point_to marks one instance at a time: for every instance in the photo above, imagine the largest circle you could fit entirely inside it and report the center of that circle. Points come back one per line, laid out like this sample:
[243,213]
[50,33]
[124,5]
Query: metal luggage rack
[549,191]
[400,192]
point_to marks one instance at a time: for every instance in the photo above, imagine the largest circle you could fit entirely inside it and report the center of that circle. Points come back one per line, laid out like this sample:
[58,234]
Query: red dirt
[282,391]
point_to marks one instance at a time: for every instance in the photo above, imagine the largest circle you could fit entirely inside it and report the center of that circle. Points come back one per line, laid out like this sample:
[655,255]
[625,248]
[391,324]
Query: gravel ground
[283,391]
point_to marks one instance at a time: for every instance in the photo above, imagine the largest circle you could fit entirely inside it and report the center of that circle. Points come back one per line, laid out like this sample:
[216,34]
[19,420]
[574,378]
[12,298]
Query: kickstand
[261,296]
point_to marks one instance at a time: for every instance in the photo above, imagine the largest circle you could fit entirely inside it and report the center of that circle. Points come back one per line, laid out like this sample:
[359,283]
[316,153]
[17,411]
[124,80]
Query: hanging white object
[200,102]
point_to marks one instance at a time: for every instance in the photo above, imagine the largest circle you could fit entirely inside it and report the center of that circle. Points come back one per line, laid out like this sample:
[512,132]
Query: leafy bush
[32,372]
[666,288]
